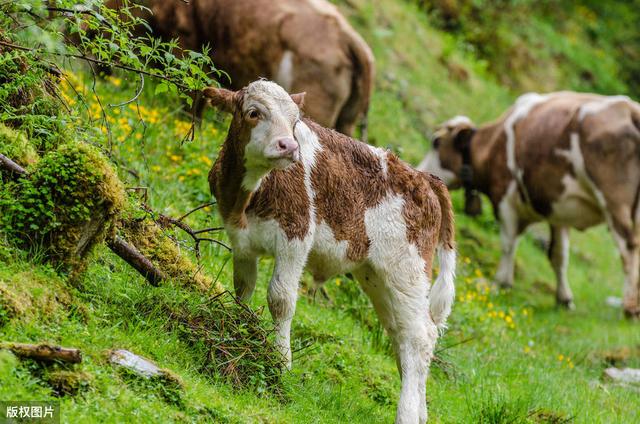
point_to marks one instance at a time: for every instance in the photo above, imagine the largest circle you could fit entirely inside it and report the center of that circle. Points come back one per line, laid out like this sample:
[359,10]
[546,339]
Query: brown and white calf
[571,159]
[314,198]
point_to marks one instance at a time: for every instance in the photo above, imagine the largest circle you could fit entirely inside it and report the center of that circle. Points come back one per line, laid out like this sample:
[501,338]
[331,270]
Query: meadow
[507,357]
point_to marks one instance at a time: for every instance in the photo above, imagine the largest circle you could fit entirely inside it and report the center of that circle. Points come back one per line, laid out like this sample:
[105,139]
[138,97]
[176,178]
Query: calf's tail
[443,293]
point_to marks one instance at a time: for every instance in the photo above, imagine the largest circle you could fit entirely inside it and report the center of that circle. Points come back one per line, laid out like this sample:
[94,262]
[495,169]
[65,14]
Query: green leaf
[161,88]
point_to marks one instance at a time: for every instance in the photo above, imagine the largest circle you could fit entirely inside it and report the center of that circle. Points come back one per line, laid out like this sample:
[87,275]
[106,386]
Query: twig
[134,97]
[96,61]
[196,209]
[165,221]
[455,344]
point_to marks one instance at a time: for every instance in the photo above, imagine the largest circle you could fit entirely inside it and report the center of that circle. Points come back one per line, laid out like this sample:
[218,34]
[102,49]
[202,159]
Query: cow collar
[472,201]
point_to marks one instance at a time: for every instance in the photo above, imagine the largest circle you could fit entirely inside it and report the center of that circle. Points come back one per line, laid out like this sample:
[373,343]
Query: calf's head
[262,129]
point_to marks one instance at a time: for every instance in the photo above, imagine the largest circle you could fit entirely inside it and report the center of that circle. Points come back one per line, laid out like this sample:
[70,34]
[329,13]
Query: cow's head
[262,129]
[450,158]
[450,142]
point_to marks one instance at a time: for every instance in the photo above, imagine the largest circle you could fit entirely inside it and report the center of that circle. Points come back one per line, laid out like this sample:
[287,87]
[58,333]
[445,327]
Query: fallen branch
[11,166]
[44,352]
[137,260]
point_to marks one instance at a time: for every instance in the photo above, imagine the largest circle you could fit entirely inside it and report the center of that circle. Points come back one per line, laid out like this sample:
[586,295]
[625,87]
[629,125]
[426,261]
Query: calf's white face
[272,114]
[264,119]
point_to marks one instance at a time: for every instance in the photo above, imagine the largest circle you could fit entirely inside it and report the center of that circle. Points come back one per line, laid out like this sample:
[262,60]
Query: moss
[70,383]
[15,145]
[149,238]
[29,294]
[65,206]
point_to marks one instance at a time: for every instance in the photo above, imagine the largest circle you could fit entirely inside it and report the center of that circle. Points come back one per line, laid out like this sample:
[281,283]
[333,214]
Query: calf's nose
[287,145]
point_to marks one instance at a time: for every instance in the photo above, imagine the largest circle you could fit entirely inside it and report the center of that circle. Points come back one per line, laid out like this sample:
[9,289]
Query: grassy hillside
[508,357]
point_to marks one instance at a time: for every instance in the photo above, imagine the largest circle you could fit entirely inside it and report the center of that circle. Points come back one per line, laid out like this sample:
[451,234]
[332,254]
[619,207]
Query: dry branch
[11,166]
[44,352]
[166,221]
[137,260]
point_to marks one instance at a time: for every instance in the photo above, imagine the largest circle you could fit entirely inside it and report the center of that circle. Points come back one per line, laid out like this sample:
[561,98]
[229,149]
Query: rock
[139,365]
[624,375]
[614,301]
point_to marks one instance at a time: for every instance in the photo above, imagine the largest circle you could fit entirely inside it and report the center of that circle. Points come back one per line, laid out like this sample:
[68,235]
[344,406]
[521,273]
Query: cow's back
[249,37]
[566,144]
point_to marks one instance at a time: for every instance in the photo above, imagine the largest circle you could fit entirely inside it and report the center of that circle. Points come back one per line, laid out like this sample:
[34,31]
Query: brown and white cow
[314,198]
[571,159]
[303,45]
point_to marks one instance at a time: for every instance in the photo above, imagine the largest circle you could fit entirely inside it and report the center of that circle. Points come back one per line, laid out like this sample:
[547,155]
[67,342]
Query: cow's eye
[436,142]
[253,114]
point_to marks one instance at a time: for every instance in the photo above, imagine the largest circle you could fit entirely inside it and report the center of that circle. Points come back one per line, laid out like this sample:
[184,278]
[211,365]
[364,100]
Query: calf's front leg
[282,296]
[245,273]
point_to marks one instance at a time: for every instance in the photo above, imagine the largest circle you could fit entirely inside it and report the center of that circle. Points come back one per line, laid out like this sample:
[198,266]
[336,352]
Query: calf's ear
[220,98]
[298,98]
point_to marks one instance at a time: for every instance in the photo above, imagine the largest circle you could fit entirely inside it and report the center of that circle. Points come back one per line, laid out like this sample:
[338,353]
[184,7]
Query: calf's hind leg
[401,303]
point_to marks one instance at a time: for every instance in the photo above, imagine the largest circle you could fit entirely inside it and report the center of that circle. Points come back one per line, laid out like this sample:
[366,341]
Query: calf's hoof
[566,304]
[504,285]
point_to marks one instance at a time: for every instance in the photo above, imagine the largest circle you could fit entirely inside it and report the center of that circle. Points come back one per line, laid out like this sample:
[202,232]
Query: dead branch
[137,260]
[166,221]
[11,166]
[44,352]
[196,209]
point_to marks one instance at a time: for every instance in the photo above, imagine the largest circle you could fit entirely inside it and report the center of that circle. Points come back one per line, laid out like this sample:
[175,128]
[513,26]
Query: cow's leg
[401,302]
[630,254]
[244,275]
[283,294]
[559,258]
[510,229]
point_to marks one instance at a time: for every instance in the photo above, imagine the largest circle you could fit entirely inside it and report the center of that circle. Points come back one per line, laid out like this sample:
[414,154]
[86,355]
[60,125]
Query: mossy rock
[65,206]
[28,294]
[152,242]
[68,383]
[15,145]
[28,101]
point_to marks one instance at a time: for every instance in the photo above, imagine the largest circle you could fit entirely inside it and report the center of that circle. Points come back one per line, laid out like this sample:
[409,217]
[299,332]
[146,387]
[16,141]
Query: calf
[314,198]
[571,159]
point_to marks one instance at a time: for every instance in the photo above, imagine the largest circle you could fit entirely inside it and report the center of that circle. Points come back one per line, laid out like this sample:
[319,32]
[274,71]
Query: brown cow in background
[303,45]
[571,159]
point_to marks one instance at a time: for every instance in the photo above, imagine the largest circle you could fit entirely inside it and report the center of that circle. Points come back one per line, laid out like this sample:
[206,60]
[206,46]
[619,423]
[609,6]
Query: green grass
[508,357]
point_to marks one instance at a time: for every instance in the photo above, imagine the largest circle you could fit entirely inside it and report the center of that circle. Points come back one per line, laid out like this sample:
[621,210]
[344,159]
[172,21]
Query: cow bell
[472,203]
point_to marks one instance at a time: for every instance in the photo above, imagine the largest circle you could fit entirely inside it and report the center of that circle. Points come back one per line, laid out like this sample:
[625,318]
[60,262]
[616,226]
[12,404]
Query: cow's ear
[298,98]
[462,139]
[220,98]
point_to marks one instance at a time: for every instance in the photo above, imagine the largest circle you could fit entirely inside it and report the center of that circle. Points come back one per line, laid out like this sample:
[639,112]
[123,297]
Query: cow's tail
[443,291]
[357,105]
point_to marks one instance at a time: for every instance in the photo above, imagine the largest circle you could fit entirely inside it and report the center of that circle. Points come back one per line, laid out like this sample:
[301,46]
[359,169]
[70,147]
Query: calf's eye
[254,114]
